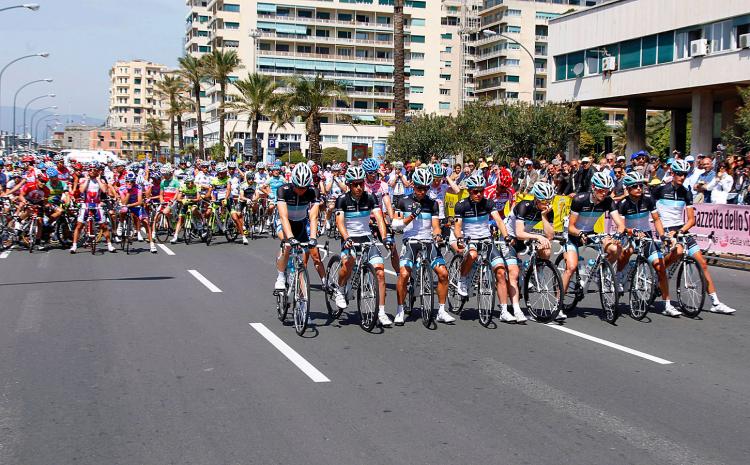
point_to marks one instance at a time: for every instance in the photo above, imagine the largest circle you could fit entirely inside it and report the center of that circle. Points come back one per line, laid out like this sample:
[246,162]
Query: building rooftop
[588,10]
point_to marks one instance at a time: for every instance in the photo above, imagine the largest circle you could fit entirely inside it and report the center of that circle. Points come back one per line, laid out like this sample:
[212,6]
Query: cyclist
[298,205]
[131,199]
[91,189]
[502,191]
[440,186]
[673,200]
[353,211]
[188,196]
[34,195]
[586,209]
[239,203]
[472,220]
[275,181]
[168,189]
[379,189]
[418,216]
[335,186]
[260,173]
[636,209]
[63,173]
[526,216]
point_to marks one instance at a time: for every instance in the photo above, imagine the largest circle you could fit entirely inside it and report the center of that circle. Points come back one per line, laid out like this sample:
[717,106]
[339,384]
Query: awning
[284,63]
[266,61]
[325,65]
[364,118]
[265,25]
[290,29]
[341,66]
[384,68]
[407,69]
[359,83]
[266,8]
[304,64]
[362,68]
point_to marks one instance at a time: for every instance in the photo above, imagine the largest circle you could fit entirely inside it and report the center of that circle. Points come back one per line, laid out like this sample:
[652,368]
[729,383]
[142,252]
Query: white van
[85,156]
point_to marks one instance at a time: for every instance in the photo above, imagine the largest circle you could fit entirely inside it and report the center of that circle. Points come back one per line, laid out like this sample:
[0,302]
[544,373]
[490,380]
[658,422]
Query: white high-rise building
[133,98]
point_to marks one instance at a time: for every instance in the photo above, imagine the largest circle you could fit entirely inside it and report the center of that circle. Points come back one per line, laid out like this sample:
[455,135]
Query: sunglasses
[420,188]
[678,173]
[357,184]
[602,191]
[636,186]
[477,191]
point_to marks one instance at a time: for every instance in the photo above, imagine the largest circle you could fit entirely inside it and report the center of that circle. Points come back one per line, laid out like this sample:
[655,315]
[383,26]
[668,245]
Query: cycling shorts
[374,257]
[83,213]
[409,254]
[574,242]
[692,246]
[653,252]
[139,212]
[496,256]
[300,229]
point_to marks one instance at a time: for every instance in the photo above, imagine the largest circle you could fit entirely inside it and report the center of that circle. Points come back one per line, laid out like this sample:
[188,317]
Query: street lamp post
[491,33]
[2,71]
[28,6]
[27,107]
[33,115]
[36,131]
[15,98]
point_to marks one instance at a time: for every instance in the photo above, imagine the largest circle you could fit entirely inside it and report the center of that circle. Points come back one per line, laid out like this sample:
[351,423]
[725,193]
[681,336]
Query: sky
[84,39]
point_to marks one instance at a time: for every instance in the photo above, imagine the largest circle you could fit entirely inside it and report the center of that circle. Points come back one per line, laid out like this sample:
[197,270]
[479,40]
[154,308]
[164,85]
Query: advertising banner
[729,223]
[378,150]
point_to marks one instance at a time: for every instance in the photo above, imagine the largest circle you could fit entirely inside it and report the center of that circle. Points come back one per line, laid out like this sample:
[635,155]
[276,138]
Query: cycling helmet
[42,166]
[16,174]
[77,166]
[602,181]
[129,176]
[505,179]
[370,165]
[189,178]
[221,167]
[336,167]
[422,177]
[205,164]
[543,191]
[120,163]
[27,159]
[633,178]
[52,172]
[165,170]
[355,173]
[475,181]
[232,164]
[156,174]
[301,175]
[212,162]
[276,167]
[269,165]
[437,170]
[42,177]
[680,166]
[91,166]
[58,158]
[315,169]
[260,166]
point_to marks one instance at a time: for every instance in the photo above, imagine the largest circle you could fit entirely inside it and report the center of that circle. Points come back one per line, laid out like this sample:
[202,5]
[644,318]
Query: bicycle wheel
[574,293]
[92,235]
[247,220]
[608,294]
[282,300]
[6,237]
[455,300]
[301,300]
[332,285]
[230,229]
[427,294]
[31,240]
[368,296]
[187,229]
[64,233]
[127,234]
[411,284]
[542,290]
[691,287]
[485,294]
[162,227]
[208,229]
[641,288]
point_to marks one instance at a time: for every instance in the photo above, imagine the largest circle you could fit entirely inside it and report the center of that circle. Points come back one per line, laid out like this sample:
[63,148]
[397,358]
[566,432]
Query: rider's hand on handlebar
[583,237]
[348,244]
[293,242]
[544,243]
[416,209]
[312,242]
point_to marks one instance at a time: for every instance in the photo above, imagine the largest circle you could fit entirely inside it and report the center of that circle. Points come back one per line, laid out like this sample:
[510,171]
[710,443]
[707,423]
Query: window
[720,36]
[511,62]
[630,54]
[417,72]
[446,36]
[665,47]
[282,47]
[444,105]
[573,60]
[648,50]
[511,95]
[415,4]
[447,77]
[322,33]
[362,19]
[560,67]
[305,13]
[592,62]
[383,20]
[417,22]
[417,39]
[331,139]
[383,37]
[417,89]
[511,78]
[137,101]
[447,64]
[323,50]
[539,82]
[448,49]
[232,43]
[416,106]
[323,15]
[445,91]
[231,25]
[304,48]
[231,7]
[344,52]
[513,13]
[513,29]
[344,34]
[345,17]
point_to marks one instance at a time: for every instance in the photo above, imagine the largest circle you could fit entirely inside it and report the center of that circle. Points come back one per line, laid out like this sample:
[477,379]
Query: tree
[219,65]
[592,122]
[333,155]
[586,144]
[658,131]
[311,100]
[193,70]
[737,137]
[620,138]
[399,91]
[422,137]
[155,135]
[258,100]
[172,89]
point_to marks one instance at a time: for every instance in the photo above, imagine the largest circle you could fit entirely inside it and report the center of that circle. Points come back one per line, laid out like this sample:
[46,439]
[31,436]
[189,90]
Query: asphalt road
[119,359]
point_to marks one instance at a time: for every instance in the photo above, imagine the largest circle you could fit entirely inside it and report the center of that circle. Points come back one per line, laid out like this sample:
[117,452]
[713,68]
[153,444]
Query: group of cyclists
[366,205]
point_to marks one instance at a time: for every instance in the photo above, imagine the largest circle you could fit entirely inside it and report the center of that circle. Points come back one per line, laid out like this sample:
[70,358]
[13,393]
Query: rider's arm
[690,219]
[381,222]
[500,223]
[454,189]
[388,205]
[458,228]
[572,229]
[619,221]
[314,212]
[547,226]
[286,227]
[341,225]
[658,225]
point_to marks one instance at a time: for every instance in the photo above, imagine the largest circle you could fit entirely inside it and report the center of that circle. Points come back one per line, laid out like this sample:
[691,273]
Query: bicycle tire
[32,234]
[690,307]
[230,229]
[6,237]
[410,297]
[485,294]
[92,236]
[208,229]
[162,227]
[332,279]
[455,300]
[573,294]
[641,288]
[63,233]
[282,302]
[542,315]
[301,293]
[127,234]
[368,317]
[187,229]
[608,286]
[427,295]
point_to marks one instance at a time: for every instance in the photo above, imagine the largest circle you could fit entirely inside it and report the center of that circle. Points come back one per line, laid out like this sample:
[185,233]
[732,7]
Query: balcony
[328,74]
[542,38]
[327,22]
[358,111]
[540,70]
[329,56]
[330,40]
[489,71]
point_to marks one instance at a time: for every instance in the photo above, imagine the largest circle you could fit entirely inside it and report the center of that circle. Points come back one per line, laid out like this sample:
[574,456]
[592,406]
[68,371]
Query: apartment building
[350,41]
[510,48]
[132,94]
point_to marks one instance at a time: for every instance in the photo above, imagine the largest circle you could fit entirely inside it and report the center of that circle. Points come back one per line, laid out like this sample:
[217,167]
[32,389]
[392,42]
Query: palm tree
[171,89]
[193,70]
[399,92]
[219,65]
[257,100]
[620,138]
[310,100]
[155,135]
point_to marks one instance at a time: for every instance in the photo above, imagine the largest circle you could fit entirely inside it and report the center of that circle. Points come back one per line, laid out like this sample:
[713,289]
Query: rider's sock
[381,309]
[400,309]
[441,308]
[503,308]
[281,274]
[516,308]
[714,298]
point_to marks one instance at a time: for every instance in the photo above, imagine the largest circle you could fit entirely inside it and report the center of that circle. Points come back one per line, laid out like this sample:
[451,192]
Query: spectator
[740,186]
[543,169]
[618,193]
[721,185]
[620,161]
[692,177]
[530,177]
[562,181]
[582,177]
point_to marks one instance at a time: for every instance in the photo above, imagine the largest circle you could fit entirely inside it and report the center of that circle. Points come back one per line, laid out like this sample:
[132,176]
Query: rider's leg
[716,305]
[317,262]
[347,262]
[501,283]
[571,265]
[468,262]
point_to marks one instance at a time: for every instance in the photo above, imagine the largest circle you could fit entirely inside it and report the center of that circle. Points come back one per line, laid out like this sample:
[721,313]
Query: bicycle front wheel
[332,285]
[485,294]
[162,227]
[542,291]
[230,229]
[642,286]
[368,296]
[455,300]
[608,294]
[574,293]
[691,287]
[301,300]
[427,294]
[282,300]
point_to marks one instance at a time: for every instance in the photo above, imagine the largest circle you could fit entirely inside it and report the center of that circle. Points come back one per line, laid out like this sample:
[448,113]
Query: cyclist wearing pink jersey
[91,189]
[379,189]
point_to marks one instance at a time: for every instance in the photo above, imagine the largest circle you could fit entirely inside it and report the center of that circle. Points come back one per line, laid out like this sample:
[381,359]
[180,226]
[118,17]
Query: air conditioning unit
[699,48]
[745,41]
[609,64]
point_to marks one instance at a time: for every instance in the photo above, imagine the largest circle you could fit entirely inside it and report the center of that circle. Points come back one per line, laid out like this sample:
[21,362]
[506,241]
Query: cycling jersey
[130,192]
[475,217]
[93,191]
[63,174]
[247,189]
[220,187]
[202,179]
[357,213]
[35,195]
[379,189]
[170,188]
[501,198]
[274,183]
[671,201]
[421,226]
[637,212]
[587,212]
[336,191]
[438,195]
[527,212]
[297,206]
[56,191]
[261,178]
[189,192]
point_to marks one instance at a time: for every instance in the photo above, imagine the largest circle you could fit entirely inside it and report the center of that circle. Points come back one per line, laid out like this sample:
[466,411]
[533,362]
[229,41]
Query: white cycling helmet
[166,170]
[260,166]
[422,177]
[301,175]
[354,174]
[680,166]
[221,167]
[543,191]
[602,181]
[633,178]
[475,181]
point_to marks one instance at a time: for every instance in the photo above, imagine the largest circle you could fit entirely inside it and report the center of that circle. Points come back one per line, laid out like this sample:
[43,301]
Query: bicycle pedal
[278,292]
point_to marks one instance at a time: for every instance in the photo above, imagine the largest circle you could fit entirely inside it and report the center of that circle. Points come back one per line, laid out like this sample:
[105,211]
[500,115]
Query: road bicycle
[191,227]
[65,225]
[296,295]
[641,279]
[91,232]
[690,283]
[481,279]
[162,224]
[421,286]
[596,270]
[27,234]
[363,281]
[540,284]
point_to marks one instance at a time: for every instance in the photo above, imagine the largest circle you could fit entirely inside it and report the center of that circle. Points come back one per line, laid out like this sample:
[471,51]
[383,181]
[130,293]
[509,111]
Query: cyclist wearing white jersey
[441,185]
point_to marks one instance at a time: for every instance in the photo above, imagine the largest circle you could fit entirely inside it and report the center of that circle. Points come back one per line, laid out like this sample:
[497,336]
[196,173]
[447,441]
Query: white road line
[306,367]
[166,249]
[7,252]
[211,287]
[613,345]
